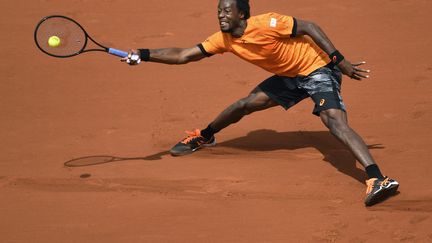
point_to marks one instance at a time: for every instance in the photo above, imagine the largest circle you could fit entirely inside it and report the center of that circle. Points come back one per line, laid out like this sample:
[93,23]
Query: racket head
[73,37]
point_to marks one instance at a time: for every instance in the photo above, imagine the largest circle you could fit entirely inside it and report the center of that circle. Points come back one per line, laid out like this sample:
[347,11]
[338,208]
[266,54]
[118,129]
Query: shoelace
[370,184]
[385,182]
[191,135]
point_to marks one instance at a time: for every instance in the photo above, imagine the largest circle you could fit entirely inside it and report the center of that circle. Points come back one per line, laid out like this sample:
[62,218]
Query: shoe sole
[383,196]
[186,152]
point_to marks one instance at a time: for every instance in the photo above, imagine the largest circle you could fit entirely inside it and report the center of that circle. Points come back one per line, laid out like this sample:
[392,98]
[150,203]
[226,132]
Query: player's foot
[379,190]
[191,143]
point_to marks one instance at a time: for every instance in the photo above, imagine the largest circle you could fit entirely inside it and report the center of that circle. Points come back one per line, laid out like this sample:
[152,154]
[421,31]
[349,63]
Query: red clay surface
[276,176]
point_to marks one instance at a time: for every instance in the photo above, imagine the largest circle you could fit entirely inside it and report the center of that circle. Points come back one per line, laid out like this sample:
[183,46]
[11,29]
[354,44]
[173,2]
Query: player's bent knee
[246,105]
[252,106]
[248,108]
[241,106]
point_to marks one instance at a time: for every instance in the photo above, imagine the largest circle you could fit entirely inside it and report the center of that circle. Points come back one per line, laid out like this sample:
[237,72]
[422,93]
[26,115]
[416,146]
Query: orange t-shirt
[267,43]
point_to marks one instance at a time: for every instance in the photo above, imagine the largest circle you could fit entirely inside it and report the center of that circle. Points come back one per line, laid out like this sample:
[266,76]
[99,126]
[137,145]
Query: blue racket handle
[117,52]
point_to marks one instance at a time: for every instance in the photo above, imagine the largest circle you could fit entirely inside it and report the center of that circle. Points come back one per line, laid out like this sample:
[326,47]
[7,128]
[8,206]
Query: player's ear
[242,15]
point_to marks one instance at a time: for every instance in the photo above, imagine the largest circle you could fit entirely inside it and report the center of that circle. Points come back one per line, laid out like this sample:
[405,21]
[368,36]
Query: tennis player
[305,64]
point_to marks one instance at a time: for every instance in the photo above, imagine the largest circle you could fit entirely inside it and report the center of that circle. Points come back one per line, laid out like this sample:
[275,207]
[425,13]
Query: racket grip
[118,53]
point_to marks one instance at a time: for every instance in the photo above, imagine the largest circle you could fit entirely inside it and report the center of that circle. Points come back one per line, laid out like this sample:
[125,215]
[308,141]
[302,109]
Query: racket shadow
[104,159]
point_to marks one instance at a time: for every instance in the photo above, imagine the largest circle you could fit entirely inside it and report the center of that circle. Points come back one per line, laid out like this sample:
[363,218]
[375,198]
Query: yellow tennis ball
[54,41]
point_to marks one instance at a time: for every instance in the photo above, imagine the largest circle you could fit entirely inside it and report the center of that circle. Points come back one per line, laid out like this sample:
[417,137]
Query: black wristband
[144,54]
[294,29]
[336,57]
[201,47]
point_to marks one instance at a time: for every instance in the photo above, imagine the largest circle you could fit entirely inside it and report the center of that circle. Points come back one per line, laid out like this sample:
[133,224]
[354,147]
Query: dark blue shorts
[322,85]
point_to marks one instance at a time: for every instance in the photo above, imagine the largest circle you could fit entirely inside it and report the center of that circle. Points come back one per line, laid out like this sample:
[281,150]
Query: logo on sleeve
[273,22]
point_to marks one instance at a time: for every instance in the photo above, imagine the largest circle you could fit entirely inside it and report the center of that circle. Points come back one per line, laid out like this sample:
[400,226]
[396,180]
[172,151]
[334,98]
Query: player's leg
[256,100]
[336,121]
[379,187]
[273,91]
[323,85]
[276,90]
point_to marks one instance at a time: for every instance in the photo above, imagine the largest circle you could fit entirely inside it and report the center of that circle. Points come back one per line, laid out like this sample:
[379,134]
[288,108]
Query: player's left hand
[352,70]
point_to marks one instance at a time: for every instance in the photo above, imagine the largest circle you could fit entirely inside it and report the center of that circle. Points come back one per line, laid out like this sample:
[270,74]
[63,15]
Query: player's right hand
[133,57]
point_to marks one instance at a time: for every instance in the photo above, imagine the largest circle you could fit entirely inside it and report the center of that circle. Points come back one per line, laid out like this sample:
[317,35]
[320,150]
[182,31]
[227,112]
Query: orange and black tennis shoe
[192,143]
[379,189]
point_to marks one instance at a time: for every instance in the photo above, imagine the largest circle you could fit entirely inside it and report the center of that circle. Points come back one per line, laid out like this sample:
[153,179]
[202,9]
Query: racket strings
[72,37]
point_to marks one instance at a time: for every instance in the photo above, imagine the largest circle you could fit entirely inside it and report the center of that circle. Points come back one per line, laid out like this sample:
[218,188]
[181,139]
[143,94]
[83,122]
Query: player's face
[229,16]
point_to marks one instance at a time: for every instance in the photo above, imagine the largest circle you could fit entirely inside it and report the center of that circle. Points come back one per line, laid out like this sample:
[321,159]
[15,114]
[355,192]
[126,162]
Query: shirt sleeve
[282,25]
[215,44]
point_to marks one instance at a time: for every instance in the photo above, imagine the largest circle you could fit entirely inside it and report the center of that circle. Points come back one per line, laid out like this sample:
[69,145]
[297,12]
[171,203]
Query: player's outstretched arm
[320,38]
[165,55]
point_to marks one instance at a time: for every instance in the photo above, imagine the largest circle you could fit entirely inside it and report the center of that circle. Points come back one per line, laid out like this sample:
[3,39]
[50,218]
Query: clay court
[276,176]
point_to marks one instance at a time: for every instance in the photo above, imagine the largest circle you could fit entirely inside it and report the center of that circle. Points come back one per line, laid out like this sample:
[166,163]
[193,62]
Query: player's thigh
[258,100]
[331,117]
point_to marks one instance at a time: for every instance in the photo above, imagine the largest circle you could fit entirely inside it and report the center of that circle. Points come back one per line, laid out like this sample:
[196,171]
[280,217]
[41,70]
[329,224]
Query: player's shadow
[333,150]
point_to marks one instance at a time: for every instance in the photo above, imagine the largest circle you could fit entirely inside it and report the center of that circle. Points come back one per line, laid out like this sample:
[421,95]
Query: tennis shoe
[379,189]
[192,143]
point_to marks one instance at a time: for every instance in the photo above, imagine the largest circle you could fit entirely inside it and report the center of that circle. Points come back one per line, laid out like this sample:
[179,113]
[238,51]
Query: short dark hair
[243,6]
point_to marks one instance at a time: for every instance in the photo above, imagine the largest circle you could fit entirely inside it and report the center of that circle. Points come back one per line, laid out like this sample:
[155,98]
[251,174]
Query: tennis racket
[73,38]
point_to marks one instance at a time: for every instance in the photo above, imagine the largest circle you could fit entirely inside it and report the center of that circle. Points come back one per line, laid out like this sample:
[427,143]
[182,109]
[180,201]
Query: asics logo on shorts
[322,102]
